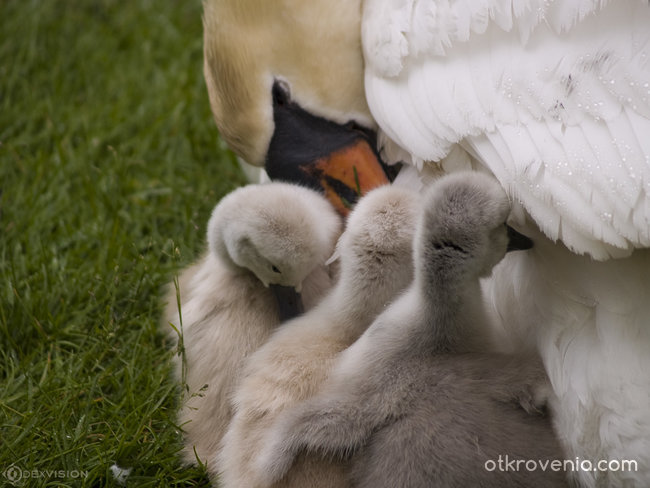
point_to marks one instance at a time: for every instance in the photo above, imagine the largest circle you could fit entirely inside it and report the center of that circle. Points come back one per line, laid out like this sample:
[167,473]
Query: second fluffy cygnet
[413,401]
[375,265]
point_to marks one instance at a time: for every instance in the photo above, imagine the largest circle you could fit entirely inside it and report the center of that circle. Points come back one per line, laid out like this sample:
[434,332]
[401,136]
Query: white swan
[412,401]
[258,235]
[552,98]
[375,265]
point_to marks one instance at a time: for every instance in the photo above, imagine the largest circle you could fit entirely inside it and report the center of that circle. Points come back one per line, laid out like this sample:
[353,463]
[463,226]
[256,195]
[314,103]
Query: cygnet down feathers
[375,265]
[414,402]
[258,235]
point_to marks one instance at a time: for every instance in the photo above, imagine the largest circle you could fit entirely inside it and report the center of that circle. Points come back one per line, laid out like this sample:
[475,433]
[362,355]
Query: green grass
[110,164]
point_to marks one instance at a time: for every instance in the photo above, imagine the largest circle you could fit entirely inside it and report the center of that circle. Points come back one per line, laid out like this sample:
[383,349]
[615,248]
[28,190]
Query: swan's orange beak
[347,173]
[338,159]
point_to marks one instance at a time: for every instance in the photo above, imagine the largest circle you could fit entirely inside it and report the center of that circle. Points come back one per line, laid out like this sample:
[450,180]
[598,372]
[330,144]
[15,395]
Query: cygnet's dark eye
[275,269]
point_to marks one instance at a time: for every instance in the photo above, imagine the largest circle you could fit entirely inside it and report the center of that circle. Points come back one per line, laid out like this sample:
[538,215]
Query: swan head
[285,82]
[277,231]
[464,224]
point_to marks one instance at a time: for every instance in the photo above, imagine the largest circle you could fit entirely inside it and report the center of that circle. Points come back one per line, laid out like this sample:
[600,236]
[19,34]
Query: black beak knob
[289,302]
[517,241]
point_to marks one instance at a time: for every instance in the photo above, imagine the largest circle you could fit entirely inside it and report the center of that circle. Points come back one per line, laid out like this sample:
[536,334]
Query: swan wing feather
[553,97]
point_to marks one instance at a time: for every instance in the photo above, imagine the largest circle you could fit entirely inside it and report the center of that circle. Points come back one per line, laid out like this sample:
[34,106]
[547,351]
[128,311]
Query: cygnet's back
[460,420]
[413,400]
[258,236]
[375,265]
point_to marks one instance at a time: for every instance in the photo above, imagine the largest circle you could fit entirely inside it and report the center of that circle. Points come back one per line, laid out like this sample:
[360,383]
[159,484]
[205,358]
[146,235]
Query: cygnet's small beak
[289,302]
[517,241]
[337,159]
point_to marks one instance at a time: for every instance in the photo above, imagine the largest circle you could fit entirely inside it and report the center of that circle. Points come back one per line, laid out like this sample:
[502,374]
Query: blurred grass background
[110,164]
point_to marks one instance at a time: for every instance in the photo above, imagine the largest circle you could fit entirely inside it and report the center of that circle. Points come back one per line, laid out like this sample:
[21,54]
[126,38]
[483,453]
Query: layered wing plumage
[553,97]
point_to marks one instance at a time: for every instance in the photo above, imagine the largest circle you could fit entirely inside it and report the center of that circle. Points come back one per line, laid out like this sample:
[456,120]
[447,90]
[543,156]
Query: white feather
[589,321]
[461,71]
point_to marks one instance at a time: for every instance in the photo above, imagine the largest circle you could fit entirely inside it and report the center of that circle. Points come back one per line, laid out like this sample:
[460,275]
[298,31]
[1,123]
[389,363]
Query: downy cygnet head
[280,232]
[465,219]
[382,222]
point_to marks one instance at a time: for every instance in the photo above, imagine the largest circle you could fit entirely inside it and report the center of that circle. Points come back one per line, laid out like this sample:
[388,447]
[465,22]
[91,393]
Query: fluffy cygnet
[413,402]
[375,265]
[258,235]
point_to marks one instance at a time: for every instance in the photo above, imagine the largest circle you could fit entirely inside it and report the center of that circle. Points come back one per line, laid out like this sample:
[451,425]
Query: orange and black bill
[339,160]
